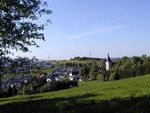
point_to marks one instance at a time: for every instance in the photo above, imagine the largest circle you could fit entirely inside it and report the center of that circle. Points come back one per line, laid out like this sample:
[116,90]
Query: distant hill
[115,58]
[86,58]
[92,58]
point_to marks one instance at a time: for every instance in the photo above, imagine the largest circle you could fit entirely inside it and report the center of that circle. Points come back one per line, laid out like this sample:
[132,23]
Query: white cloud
[101,29]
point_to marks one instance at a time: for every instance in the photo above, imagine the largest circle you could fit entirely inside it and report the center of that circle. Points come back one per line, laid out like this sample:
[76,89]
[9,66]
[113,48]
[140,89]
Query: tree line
[122,68]
[129,67]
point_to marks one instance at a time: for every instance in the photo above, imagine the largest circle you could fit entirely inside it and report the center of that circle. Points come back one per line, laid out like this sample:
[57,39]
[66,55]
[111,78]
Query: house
[41,65]
[48,64]
[28,79]
[73,76]
[50,77]
[58,63]
[58,70]
[44,76]
[6,65]
[20,69]
[58,76]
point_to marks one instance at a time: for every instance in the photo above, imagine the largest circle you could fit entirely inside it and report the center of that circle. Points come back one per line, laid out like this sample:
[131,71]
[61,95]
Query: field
[130,95]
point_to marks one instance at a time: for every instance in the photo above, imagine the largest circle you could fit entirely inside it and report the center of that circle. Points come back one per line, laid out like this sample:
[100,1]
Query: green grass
[124,96]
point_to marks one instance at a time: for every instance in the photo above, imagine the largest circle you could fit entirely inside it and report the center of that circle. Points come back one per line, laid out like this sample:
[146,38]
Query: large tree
[19,28]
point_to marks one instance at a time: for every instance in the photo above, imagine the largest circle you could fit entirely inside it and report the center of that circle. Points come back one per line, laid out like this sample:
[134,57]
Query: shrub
[50,86]
[73,84]
[112,76]
[57,85]
[27,90]
[100,77]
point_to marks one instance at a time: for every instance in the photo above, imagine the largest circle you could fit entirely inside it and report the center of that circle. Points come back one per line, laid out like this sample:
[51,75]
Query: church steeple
[108,63]
[108,58]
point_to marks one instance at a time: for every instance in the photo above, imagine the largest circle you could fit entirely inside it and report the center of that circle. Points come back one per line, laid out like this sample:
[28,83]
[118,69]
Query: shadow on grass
[10,98]
[80,104]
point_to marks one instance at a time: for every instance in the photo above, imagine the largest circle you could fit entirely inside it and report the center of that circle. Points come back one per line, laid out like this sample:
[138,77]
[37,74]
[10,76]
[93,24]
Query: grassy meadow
[130,95]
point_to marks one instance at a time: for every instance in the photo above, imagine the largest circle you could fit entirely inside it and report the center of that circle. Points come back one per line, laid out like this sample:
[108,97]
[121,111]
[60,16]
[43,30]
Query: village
[36,73]
[40,77]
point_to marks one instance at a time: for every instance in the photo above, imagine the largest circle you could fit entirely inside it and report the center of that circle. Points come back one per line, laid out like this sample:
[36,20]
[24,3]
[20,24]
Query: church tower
[108,63]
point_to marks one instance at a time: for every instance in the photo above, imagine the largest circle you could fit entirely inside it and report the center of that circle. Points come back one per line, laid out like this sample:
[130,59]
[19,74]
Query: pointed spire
[108,63]
[108,58]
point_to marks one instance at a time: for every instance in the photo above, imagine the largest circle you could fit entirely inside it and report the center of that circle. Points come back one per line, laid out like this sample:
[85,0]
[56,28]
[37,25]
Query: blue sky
[80,27]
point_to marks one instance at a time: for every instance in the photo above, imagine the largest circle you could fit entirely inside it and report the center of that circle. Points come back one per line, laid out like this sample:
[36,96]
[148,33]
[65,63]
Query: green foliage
[81,72]
[112,76]
[45,88]
[94,71]
[50,86]
[58,85]
[18,26]
[28,90]
[100,77]
[130,67]
[93,74]
[106,75]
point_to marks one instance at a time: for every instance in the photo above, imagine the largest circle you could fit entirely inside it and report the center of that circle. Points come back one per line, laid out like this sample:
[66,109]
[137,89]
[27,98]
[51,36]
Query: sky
[94,28]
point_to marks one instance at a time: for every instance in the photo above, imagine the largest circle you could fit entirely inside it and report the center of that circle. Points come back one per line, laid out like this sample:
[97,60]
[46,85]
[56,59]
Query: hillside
[123,96]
